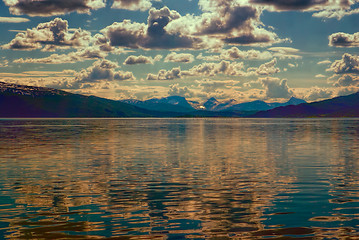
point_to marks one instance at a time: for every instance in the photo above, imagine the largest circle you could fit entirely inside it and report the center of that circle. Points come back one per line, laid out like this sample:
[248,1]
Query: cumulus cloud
[132,5]
[276,88]
[102,70]
[230,21]
[267,68]
[72,57]
[341,39]
[209,86]
[212,69]
[153,35]
[179,57]
[317,93]
[321,8]
[163,74]
[49,36]
[132,60]
[234,53]
[13,19]
[347,80]
[348,64]
[176,90]
[46,8]
[203,69]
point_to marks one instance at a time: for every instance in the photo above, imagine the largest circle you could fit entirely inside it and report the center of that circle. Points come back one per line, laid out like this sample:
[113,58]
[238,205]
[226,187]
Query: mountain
[259,105]
[167,104]
[345,106]
[26,101]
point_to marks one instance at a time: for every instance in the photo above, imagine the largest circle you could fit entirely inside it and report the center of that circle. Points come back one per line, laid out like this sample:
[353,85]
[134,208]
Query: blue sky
[227,49]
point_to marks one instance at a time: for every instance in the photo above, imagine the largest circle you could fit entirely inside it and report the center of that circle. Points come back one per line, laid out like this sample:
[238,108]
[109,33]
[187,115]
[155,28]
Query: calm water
[179,178]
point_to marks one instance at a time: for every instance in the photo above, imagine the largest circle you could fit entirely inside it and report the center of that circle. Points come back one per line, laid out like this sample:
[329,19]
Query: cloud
[132,5]
[212,69]
[285,52]
[285,5]
[46,8]
[13,19]
[317,93]
[276,88]
[153,35]
[348,64]
[267,68]
[49,36]
[174,73]
[132,60]
[72,57]
[320,76]
[4,63]
[234,53]
[102,70]
[324,62]
[347,80]
[230,21]
[209,86]
[179,57]
[341,39]
[321,8]
[176,90]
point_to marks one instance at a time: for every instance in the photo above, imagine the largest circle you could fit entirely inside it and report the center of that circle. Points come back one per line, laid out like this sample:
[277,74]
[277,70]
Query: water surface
[179,178]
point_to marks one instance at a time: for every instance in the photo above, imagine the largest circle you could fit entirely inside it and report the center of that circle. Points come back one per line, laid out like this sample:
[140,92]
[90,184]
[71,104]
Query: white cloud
[276,88]
[179,57]
[49,36]
[13,19]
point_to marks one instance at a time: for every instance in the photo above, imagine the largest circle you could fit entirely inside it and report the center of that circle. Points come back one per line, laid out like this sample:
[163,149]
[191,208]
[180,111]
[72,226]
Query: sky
[140,49]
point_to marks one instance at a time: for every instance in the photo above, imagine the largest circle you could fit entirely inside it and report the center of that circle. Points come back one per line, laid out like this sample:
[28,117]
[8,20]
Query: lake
[179,178]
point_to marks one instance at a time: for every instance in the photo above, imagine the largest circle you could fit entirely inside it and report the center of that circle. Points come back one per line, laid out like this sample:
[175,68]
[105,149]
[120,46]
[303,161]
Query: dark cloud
[50,35]
[341,39]
[290,5]
[51,7]
[321,8]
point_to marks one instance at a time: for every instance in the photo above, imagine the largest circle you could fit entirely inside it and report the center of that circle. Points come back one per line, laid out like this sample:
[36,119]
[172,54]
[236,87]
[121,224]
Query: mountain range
[27,101]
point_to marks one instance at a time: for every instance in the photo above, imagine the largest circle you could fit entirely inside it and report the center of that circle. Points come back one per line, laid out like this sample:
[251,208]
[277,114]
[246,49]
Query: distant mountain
[210,104]
[26,101]
[345,106]
[167,104]
[213,104]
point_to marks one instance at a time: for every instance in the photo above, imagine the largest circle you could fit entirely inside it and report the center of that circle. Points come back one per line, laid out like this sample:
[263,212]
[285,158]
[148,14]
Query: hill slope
[345,106]
[26,101]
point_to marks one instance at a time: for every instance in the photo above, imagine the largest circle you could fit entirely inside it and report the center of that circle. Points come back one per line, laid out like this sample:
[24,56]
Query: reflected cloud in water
[176,178]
